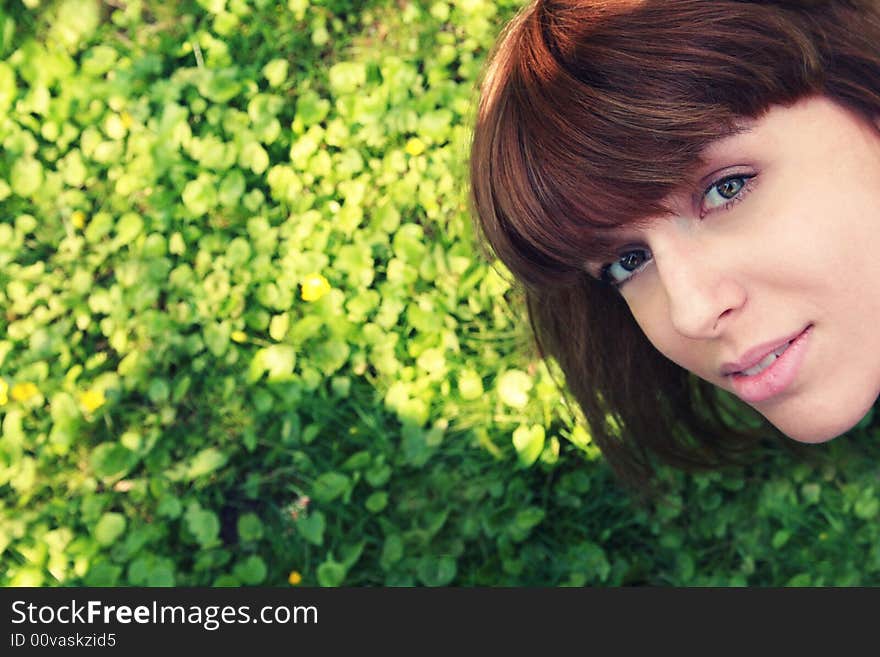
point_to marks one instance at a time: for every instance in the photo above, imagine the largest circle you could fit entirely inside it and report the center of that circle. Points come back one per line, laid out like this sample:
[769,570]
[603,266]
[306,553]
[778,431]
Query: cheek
[825,230]
[652,316]
[824,248]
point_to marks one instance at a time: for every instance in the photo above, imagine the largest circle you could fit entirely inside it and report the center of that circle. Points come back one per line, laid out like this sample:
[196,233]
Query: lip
[756,354]
[778,376]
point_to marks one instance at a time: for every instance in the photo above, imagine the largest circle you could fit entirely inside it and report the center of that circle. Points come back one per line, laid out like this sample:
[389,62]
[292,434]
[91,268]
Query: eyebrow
[719,148]
[605,247]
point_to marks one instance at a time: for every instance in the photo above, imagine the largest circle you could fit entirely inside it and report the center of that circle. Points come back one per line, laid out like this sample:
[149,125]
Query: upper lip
[756,354]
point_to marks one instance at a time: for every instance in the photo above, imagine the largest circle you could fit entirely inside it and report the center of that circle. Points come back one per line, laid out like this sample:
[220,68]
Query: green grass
[175,412]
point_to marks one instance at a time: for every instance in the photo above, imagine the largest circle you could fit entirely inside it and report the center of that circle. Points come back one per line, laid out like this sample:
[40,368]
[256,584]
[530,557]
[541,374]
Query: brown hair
[592,112]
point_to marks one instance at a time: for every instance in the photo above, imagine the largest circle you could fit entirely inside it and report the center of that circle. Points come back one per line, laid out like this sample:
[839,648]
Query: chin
[818,427]
[814,435]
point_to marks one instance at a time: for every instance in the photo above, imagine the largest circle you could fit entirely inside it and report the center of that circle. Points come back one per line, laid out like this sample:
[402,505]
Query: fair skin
[777,246]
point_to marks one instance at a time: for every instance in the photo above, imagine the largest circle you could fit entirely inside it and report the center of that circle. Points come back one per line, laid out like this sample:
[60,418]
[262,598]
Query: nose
[702,291]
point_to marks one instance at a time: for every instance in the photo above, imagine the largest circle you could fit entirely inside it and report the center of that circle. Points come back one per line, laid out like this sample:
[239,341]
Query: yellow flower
[314,287]
[126,120]
[294,578]
[238,336]
[24,391]
[114,127]
[4,388]
[415,146]
[92,400]
[78,219]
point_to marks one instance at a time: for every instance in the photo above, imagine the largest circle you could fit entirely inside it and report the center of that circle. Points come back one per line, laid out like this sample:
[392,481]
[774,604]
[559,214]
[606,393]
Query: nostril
[721,318]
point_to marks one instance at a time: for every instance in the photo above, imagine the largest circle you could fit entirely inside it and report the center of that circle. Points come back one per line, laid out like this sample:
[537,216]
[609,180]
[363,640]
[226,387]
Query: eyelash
[743,192]
[747,185]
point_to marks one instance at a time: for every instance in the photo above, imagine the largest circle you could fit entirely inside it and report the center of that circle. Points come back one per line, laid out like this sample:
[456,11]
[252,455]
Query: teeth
[766,362]
[781,349]
[760,367]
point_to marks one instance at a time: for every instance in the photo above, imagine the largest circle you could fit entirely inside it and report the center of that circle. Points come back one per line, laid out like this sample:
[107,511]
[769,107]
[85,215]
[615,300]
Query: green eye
[723,192]
[730,187]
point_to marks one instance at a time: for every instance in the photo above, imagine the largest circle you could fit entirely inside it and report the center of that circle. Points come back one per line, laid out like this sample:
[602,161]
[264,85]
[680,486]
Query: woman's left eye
[725,192]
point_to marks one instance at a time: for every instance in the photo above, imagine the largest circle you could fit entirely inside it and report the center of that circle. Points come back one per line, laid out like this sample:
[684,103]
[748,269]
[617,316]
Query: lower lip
[776,378]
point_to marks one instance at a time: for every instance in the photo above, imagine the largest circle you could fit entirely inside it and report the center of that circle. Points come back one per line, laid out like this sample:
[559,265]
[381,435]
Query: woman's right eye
[628,265]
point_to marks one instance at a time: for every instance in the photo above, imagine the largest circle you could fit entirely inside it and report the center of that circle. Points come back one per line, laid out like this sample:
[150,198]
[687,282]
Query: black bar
[291,620]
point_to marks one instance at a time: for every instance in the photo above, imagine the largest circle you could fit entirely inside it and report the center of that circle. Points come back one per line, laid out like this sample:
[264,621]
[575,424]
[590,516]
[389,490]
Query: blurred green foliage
[246,332]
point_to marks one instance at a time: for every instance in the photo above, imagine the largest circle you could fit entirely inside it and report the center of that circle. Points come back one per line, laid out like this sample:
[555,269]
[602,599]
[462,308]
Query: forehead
[811,122]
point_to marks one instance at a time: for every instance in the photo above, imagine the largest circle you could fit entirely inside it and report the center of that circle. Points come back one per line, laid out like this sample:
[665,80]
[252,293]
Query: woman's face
[766,279]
